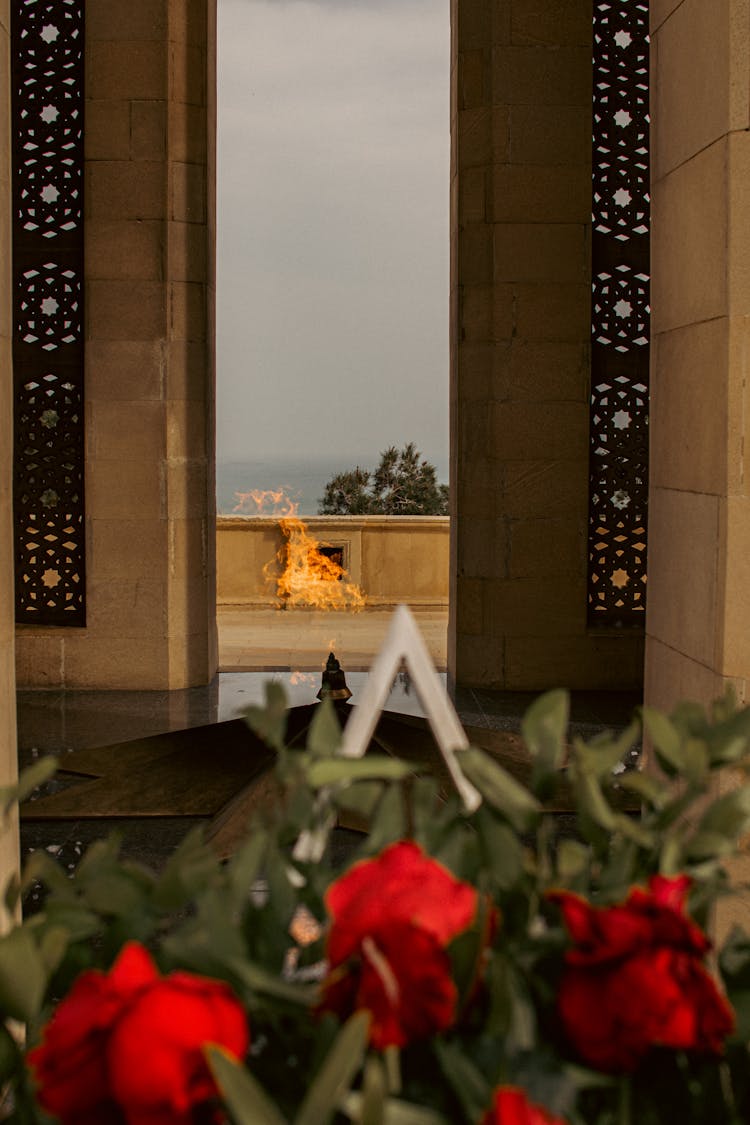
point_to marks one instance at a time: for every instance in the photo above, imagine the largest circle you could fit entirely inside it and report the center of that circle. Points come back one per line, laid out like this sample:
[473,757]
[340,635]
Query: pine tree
[403,484]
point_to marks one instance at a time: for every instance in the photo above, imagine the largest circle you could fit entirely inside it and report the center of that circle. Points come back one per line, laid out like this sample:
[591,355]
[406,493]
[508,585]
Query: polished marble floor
[59,722]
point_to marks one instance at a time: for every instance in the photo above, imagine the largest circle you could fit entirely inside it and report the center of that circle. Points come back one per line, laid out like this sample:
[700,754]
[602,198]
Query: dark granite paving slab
[69,723]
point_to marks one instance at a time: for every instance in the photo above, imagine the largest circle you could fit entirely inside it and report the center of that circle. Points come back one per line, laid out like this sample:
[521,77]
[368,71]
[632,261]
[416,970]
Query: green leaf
[77,920]
[41,866]
[644,785]
[404,1113]
[114,892]
[573,859]
[741,1004]
[378,767]
[522,1030]
[324,735]
[591,799]
[246,1099]
[301,805]
[360,797]
[28,781]
[543,728]
[468,1084]
[458,850]
[665,738]
[244,867]
[500,788]
[389,823]
[728,739]
[269,722]
[501,849]
[467,953]
[340,1066]
[729,815]
[424,799]
[12,895]
[53,946]
[690,719]
[695,754]
[10,1055]
[620,871]
[708,845]
[101,856]
[605,752]
[189,869]
[632,828]
[270,984]
[282,896]
[734,962]
[23,976]
[671,861]
[734,957]
[395,1112]
[374,1090]
[672,814]
[724,708]
[496,980]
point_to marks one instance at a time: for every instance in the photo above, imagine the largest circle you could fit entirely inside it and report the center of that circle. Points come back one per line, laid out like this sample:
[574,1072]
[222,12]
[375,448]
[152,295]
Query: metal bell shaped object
[333,685]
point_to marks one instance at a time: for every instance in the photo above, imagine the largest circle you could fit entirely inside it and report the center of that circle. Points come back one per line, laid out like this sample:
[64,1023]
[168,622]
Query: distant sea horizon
[302,479]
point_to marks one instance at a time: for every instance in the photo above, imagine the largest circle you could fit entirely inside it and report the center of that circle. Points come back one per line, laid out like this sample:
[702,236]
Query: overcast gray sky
[332,260]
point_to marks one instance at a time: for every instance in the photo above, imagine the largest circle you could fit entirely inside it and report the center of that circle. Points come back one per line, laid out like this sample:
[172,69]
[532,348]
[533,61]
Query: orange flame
[308,576]
[301,678]
[264,502]
[304,927]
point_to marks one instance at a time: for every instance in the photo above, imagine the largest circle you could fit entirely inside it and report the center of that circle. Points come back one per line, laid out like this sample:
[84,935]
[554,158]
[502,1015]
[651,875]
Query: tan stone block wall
[520,331]
[9,851]
[149,357]
[392,559]
[698,620]
[243,549]
[405,559]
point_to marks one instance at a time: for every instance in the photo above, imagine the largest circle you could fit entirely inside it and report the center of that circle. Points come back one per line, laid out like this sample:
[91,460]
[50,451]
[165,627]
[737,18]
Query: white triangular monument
[403,644]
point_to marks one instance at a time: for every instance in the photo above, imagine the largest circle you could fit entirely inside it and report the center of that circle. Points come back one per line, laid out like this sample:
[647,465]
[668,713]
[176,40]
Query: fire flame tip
[266,502]
[298,677]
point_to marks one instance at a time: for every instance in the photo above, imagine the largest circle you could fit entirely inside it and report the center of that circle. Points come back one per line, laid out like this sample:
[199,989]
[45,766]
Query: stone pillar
[149,358]
[520,332]
[9,855]
[698,619]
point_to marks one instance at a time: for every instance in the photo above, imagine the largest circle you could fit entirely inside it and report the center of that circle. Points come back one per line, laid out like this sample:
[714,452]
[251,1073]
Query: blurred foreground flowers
[500,967]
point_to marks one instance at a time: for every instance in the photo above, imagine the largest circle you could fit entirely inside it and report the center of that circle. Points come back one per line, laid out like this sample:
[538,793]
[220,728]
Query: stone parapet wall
[391,558]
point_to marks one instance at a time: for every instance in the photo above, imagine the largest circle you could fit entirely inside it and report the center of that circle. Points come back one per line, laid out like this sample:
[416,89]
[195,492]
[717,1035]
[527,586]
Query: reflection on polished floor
[126,723]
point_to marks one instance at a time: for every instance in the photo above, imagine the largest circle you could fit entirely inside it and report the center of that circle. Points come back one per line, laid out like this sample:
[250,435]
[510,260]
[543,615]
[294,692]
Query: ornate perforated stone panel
[620,316]
[47,38]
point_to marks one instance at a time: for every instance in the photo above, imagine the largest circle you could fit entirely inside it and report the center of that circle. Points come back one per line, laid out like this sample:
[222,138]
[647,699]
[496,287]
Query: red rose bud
[510,1106]
[635,978]
[392,919]
[128,1045]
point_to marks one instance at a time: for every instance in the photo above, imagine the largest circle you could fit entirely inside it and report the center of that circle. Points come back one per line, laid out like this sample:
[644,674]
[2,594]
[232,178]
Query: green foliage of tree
[403,484]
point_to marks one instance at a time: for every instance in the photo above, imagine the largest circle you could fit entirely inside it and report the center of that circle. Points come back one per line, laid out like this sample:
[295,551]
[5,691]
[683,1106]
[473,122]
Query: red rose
[127,1046]
[510,1106]
[392,918]
[635,978]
